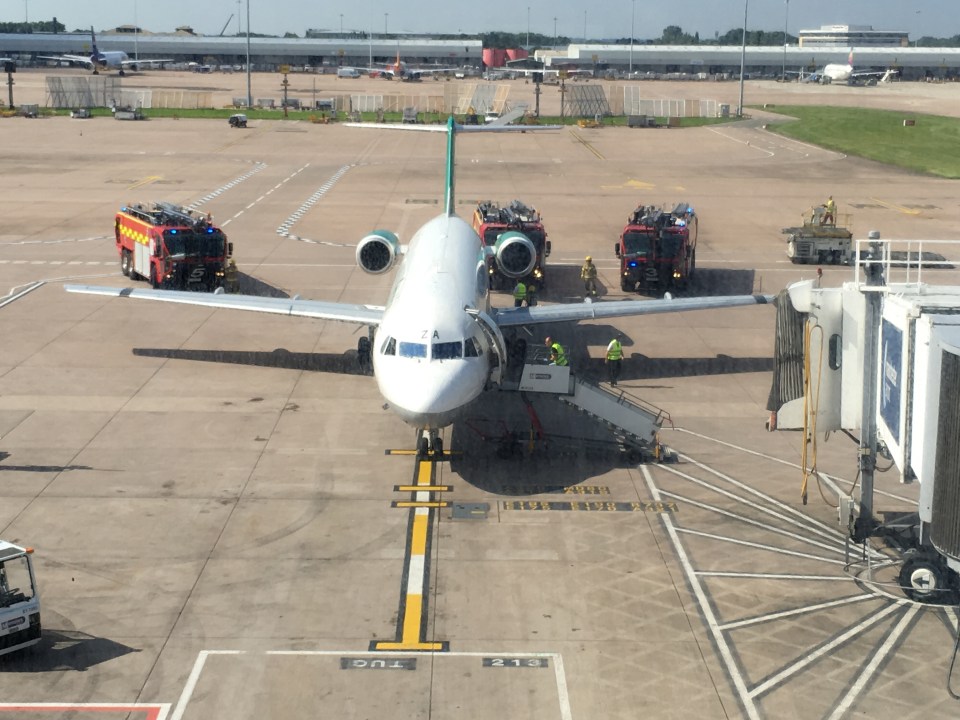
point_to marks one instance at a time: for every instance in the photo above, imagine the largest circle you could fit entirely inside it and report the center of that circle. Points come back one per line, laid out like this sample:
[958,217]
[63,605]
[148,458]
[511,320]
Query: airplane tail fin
[449,203]
[850,59]
[93,42]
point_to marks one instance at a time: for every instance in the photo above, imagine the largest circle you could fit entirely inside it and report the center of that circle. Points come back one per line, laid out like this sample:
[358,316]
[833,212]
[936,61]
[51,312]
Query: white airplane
[400,69]
[438,343]
[839,72]
[104,60]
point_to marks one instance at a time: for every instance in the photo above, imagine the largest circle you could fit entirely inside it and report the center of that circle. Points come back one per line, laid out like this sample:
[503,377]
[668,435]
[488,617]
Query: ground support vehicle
[171,246]
[238,120]
[817,242]
[658,249]
[516,242]
[19,600]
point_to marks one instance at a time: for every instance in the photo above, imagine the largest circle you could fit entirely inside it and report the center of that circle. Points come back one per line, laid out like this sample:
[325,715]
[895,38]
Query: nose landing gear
[430,443]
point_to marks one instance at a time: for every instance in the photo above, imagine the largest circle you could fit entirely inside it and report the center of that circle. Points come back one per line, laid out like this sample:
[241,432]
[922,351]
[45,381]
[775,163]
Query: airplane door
[496,342]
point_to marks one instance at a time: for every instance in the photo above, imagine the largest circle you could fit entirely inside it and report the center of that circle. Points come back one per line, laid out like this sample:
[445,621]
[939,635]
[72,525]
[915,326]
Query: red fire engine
[171,246]
[516,242]
[658,249]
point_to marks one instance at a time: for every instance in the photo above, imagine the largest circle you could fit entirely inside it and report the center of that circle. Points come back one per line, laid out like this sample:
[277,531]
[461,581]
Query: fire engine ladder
[633,422]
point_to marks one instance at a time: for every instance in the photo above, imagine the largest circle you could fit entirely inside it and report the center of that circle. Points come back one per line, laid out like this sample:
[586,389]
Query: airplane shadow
[710,282]
[249,285]
[346,363]
[494,449]
[61,650]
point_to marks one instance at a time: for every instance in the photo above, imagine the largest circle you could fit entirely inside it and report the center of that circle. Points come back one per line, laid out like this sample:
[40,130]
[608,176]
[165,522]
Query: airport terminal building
[872,49]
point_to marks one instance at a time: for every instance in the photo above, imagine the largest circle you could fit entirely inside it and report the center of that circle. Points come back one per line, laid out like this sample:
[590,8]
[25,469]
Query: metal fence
[82,92]
[634,104]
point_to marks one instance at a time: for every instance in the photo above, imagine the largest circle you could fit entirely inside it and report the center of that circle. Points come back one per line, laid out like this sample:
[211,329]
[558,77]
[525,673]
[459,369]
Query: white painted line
[775,576]
[796,611]
[873,665]
[415,578]
[761,546]
[829,480]
[755,523]
[816,526]
[195,677]
[706,607]
[825,649]
[26,291]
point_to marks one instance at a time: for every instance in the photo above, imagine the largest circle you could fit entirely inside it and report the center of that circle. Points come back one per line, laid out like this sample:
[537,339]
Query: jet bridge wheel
[925,579]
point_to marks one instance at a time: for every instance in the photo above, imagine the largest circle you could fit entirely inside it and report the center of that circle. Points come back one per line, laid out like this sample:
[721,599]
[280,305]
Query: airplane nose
[432,391]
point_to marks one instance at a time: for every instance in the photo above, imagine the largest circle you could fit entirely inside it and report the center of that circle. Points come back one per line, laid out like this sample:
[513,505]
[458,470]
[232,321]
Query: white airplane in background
[400,69]
[839,72]
[438,343]
[104,60]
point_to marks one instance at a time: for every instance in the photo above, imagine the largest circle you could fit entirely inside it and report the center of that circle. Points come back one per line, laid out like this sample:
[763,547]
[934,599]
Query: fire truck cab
[19,600]
[171,246]
[516,243]
[658,249]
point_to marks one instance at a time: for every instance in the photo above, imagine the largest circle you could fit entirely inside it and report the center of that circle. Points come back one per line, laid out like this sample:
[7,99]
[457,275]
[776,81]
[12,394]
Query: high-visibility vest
[520,291]
[561,356]
[588,272]
[614,350]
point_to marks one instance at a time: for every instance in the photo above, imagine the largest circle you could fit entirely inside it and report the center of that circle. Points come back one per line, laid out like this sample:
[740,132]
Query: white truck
[19,599]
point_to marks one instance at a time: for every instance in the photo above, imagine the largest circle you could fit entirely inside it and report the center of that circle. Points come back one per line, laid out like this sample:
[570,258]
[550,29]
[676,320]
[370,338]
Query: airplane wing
[512,317]
[318,309]
[85,59]
[128,63]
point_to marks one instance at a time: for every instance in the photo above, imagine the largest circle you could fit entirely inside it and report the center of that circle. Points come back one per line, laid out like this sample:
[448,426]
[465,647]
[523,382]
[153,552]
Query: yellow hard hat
[589,259]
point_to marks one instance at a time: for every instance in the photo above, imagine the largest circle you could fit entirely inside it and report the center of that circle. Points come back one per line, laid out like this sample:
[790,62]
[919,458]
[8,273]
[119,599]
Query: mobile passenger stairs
[634,423]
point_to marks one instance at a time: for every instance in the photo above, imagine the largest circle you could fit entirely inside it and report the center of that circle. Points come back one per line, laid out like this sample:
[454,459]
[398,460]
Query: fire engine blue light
[681,223]
[173,232]
[633,263]
[209,230]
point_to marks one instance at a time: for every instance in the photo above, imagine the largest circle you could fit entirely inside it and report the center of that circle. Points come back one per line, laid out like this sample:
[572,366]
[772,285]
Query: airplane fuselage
[431,358]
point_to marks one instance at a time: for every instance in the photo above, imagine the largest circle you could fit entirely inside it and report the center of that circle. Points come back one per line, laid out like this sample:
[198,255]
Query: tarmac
[219,501]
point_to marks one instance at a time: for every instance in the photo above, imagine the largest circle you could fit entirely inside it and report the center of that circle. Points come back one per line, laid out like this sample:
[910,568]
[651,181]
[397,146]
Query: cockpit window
[389,346]
[471,348]
[447,350]
[413,350]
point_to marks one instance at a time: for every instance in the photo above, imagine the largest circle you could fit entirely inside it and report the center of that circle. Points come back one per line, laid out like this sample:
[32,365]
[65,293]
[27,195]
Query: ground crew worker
[531,294]
[613,359]
[519,293]
[588,273]
[557,354]
[230,276]
[829,212]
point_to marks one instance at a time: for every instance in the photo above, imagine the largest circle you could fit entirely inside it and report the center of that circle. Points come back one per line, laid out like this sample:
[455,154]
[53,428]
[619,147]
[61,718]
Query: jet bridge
[633,422]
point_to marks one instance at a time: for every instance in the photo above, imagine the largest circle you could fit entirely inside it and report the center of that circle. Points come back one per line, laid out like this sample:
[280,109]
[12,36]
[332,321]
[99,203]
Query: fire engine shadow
[38,468]
[494,451]
[60,650]
[346,363]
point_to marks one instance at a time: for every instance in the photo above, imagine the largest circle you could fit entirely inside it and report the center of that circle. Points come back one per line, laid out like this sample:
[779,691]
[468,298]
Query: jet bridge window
[389,346]
[413,350]
[447,350]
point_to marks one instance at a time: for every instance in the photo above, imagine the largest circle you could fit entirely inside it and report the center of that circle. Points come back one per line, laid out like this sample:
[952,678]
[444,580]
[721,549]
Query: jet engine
[516,255]
[378,251]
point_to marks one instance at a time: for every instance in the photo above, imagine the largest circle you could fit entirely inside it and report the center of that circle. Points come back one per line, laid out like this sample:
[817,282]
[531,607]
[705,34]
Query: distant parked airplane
[107,60]
[840,72]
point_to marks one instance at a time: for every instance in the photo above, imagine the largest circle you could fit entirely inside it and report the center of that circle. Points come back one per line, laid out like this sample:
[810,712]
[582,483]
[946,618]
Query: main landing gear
[430,443]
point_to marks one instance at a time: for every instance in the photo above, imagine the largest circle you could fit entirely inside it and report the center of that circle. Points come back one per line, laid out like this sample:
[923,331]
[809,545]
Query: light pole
[743,57]
[633,13]
[136,33]
[554,32]
[786,17]
[239,29]
[528,27]
[249,89]
[341,24]
[26,12]
[385,16]
[584,26]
